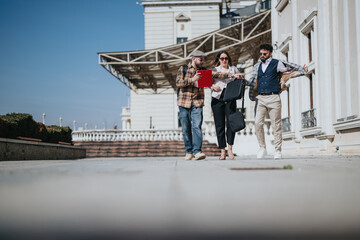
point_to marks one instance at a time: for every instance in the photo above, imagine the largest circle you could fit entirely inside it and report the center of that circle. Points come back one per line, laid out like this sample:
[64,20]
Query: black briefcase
[234,90]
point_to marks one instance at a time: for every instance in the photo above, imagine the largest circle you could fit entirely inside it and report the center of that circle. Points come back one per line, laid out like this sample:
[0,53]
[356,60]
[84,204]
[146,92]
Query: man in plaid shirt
[266,82]
[191,102]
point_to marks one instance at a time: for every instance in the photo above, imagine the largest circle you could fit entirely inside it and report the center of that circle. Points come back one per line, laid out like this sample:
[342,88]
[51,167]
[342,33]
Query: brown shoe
[189,156]
[200,156]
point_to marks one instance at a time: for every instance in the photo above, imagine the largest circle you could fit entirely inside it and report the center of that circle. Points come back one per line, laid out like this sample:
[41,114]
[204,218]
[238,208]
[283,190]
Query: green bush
[14,125]
[2,129]
[43,133]
[58,134]
[19,124]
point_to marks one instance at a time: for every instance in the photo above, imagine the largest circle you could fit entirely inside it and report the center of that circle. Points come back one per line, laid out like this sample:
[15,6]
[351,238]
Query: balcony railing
[308,119]
[285,124]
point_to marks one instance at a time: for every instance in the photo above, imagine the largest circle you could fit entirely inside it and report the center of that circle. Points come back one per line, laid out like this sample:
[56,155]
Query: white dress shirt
[280,67]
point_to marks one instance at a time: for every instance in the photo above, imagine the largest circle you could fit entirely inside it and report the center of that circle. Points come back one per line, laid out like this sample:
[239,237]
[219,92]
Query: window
[285,46]
[308,36]
[308,39]
[308,43]
[288,100]
[311,91]
[182,28]
[266,5]
[181,40]
[308,118]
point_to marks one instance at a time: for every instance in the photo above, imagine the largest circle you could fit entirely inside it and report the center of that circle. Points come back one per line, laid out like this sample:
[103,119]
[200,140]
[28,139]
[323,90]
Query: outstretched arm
[221,75]
[293,67]
[287,75]
[253,77]
[252,83]
[184,81]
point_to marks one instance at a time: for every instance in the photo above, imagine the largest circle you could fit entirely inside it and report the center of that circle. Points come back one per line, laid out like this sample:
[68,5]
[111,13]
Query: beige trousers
[269,104]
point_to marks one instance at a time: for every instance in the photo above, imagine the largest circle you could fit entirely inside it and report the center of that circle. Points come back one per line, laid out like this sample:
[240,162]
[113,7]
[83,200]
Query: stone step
[141,148]
[132,154]
[145,151]
[119,147]
[174,147]
[135,144]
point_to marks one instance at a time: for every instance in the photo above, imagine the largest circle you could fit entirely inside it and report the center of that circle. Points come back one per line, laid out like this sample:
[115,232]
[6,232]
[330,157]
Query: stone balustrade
[156,135]
[308,119]
[126,135]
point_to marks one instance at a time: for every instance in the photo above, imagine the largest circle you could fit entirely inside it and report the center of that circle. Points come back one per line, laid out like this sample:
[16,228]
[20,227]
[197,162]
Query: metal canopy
[156,69]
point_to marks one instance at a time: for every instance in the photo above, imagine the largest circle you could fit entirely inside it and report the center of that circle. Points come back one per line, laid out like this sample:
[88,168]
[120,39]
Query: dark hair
[266,47]
[216,60]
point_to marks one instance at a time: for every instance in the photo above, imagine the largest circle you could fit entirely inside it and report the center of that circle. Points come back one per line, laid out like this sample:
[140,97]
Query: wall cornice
[306,21]
[347,124]
[281,5]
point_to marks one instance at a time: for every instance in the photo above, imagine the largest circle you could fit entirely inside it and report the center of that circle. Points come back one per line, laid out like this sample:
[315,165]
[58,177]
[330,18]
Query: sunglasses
[261,54]
[224,59]
[201,59]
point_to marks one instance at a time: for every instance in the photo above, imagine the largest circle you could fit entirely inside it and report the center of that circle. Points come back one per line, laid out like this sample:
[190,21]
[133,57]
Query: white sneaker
[189,156]
[277,155]
[261,153]
[199,156]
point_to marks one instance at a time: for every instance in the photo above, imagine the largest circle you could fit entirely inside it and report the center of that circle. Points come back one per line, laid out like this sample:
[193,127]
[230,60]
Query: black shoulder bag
[234,90]
[236,119]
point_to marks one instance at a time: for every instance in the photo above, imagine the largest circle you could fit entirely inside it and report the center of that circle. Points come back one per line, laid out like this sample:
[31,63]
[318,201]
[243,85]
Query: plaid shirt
[188,92]
[290,67]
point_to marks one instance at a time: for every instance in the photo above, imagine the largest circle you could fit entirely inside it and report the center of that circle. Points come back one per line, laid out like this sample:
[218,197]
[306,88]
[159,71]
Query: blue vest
[269,81]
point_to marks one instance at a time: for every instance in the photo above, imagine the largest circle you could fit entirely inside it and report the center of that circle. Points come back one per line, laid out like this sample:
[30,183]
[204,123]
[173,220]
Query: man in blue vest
[266,79]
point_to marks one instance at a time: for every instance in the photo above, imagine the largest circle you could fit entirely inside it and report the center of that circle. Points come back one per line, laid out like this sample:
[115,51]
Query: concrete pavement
[168,198]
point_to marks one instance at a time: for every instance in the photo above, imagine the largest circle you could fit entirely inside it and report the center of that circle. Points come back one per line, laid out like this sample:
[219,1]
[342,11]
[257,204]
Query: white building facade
[173,22]
[321,111]
[168,23]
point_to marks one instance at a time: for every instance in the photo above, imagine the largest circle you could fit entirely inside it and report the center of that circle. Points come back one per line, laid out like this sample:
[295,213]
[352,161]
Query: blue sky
[49,61]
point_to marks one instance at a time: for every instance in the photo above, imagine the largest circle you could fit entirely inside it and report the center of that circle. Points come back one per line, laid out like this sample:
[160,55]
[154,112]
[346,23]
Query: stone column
[325,78]
[350,44]
[336,58]
[357,14]
[295,90]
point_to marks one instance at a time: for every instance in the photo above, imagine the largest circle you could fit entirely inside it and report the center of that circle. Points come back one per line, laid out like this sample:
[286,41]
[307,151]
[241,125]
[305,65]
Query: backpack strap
[242,105]
[184,68]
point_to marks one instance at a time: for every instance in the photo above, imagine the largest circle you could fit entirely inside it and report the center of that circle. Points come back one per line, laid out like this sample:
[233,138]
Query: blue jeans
[191,121]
